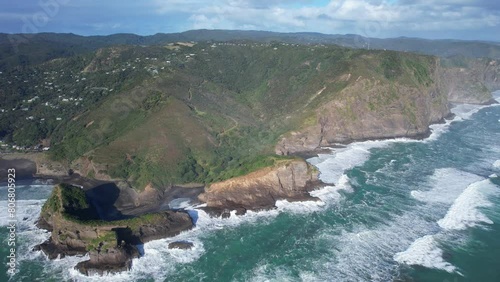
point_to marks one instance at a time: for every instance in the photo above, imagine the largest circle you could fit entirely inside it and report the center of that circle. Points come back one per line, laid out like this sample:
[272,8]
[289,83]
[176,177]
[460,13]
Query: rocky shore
[289,179]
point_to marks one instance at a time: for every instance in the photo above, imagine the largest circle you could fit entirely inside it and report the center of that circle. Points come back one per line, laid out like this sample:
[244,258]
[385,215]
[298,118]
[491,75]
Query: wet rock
[109,261]
[183,245]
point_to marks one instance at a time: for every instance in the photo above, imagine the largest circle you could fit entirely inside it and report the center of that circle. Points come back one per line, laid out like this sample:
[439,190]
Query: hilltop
[29,49]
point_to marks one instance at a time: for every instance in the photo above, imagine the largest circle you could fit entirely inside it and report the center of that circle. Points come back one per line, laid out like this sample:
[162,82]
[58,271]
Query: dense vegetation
[71,202]
[25,50]
[184,112]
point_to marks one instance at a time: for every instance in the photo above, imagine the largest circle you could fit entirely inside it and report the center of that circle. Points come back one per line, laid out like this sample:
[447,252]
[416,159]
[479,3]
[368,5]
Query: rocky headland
[92,221]
[288,179]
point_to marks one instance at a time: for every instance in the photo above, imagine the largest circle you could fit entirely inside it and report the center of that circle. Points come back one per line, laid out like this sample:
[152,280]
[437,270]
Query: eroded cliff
[287,179]
[374,107]
[377,108]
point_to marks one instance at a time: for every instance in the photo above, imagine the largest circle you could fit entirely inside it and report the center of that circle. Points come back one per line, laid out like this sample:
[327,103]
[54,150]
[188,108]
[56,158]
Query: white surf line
[425,252]
[466,193]
[333,166]
[464,212]
[447,185]
[496,165]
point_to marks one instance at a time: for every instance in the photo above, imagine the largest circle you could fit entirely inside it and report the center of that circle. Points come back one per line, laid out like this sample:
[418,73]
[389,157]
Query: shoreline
[162,198]
[26,163]
[226,212]
[340,145]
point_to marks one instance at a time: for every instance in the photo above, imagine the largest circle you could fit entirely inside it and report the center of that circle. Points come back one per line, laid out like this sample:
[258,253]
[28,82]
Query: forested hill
[199,111]
[23,49]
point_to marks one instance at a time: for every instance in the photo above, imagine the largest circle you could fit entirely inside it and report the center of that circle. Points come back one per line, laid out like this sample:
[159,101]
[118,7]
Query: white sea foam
[328,194]
[461,112]
[332,166]
[361,254]
[159,261]
[465,111]
[300,207]
[496,96]
[268,273]
[180,203]
[27,212]
[425,252]
[438,129]
[496,165]
[446,185]
[465,211]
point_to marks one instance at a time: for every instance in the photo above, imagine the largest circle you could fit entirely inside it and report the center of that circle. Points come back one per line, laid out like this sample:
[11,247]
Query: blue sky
[458,19]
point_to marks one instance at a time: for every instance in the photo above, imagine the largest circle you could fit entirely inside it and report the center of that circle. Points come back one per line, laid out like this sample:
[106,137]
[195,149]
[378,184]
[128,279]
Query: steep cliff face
[290,179]
[374,108]
[471,80]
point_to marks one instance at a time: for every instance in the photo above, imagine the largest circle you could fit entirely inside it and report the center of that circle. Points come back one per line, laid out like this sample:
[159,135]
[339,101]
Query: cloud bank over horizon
[456,19]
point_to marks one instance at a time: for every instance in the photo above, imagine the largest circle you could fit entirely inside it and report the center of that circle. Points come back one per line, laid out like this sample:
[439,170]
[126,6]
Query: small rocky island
[76,229]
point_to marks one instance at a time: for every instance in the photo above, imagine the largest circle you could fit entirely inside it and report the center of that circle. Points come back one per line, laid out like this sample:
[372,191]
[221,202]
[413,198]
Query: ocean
[394,210]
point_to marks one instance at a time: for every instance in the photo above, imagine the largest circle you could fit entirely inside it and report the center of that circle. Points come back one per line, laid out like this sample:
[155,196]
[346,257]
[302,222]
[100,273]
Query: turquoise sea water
[399,210]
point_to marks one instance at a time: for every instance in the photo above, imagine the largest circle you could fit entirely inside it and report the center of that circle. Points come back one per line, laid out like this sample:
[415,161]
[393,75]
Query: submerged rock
[183,245]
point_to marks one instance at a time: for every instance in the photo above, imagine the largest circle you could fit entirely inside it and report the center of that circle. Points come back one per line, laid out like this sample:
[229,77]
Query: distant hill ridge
[25,49]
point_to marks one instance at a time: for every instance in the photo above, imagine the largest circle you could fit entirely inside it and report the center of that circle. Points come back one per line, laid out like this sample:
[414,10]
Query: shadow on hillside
[194,216]
[103,198]
[125,234]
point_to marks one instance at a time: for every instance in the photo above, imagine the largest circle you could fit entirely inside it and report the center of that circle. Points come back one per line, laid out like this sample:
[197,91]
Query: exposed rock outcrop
[115,259]
[288,179]
[369,108]
[372,108]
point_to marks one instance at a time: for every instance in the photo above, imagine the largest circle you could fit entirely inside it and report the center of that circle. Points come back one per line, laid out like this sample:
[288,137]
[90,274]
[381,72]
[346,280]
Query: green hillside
[181,113]
[30,49]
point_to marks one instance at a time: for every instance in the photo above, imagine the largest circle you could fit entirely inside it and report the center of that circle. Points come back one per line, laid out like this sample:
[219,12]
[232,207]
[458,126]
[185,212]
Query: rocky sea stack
[76,229]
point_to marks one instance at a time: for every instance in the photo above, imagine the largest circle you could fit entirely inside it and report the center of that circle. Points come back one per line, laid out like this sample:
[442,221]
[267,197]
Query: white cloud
[372,18]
